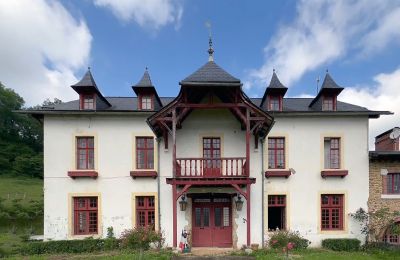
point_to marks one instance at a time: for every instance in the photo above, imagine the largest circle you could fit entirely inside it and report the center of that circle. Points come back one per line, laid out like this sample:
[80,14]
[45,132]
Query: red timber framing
[190,172]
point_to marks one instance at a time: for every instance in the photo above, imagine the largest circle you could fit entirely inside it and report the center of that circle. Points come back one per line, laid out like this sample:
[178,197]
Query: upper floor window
[392,183]
[85,215]
[145,211]
[85,153]
[328,103]
[146,102]
[144,152]
[332,212]
[274,103]
[331,153]
[87,102]
[276,153]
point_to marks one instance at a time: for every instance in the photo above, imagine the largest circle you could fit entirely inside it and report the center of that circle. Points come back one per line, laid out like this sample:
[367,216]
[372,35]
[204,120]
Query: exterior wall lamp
[183,203]
[239,203]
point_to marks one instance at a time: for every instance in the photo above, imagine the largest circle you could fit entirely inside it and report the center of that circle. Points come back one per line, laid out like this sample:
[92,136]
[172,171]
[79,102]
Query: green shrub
[341,244]
[68,246]
[110,232]
[280,239]
[3,253]
[141,238]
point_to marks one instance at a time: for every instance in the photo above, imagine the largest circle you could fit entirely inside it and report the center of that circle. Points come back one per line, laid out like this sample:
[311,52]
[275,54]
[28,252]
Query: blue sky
[50,44]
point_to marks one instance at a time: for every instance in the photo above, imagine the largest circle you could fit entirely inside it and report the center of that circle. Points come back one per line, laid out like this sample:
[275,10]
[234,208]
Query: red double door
[212,222]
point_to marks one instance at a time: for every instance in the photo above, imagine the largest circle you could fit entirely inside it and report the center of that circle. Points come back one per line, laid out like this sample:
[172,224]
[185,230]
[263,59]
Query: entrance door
[212,222]
[212,152]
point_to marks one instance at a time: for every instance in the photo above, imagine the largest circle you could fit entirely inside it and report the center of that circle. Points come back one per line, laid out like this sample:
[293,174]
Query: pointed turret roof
[145,81]
[145,86]
[329,86]
[275,87]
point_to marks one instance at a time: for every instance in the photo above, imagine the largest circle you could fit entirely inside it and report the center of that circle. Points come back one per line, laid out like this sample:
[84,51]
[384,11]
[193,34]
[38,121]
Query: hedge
[69,246]
[341,244]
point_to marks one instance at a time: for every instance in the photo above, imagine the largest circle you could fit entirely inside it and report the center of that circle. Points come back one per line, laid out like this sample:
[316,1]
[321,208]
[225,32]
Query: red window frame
[332,211]
[212,150]
[329,103]
[88,101]
[145,150]
[85,153]
[145,211]
[275,103]
[278,201]
[146,102]
[334,153]
[391,183]
[85,215]
[276,153]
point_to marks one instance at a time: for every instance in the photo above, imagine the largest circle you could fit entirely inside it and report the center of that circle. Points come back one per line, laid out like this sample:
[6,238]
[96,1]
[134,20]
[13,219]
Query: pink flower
[290,246]
[274,242]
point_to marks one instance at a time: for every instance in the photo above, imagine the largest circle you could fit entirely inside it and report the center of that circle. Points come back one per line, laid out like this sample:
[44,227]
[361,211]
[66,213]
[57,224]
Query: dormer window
[274,103]
[329,103]
[87,102]
[146,102]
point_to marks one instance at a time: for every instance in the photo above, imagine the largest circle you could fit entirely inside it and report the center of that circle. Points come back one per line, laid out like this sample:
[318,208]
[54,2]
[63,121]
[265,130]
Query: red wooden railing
[217,167]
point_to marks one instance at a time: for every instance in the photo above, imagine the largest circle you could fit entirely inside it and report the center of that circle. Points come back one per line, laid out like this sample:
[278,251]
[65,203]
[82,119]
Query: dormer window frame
[327,106]
[271,105]
[146,96]
[85,105]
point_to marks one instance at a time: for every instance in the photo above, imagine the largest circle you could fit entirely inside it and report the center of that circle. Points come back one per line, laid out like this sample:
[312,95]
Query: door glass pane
[197,217]
[226,216]
[218,217]
[206,217]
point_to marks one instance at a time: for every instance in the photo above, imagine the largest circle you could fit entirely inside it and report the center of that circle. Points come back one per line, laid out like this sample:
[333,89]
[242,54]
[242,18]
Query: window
[328,103]
[392,183]
[212,150]
[85,215]
[146,103]
[274,103]
[87,102]
[331,153]
[85,153]
[276,153]
[144,152]
[276,212]
[145,211]
[332,212]
[390,236]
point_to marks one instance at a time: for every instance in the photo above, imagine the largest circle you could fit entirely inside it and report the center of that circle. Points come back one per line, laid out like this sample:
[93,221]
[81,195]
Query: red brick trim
[83,174]
[334,173]
[282,173]
[143,174]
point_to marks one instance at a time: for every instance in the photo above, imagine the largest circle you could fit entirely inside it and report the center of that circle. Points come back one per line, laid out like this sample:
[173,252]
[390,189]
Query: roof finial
[88,68]
[210,48]
[273,70]
[147,68]
[327,71]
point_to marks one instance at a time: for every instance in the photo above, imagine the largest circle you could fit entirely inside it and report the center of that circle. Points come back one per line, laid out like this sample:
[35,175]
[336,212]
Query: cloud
[384,94]
[149,13]
[42,47]
[324,31]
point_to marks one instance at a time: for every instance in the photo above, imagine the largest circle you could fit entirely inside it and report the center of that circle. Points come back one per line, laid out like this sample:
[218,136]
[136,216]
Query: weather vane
[210,48]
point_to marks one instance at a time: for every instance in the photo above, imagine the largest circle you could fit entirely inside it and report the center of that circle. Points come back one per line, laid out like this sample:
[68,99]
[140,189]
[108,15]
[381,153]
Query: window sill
[334,173]
[143,174]
[83,174]
[85,236]
[390,196]
[277,173]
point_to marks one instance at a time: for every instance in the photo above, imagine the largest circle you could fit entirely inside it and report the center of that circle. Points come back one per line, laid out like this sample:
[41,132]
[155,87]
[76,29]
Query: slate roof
[145,81]
[329,83]
[86,81]
[210,73]
[275,82]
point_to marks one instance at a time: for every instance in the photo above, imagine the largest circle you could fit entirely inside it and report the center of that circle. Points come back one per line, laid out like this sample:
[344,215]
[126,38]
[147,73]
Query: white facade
[116,189]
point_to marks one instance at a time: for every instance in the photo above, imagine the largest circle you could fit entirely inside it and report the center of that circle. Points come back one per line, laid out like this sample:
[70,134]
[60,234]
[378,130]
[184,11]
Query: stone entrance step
[222,257]
[211,253]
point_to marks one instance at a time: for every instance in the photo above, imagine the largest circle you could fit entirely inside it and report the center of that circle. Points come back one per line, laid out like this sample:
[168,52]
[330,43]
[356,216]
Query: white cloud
[42,46]
[147,13]
[383,95]
[324,31]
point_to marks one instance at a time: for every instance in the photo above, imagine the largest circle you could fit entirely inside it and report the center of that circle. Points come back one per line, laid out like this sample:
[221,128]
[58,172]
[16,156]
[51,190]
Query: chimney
[388,141]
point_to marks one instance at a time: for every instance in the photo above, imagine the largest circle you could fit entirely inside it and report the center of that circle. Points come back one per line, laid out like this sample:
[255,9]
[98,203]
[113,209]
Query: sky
[46,46]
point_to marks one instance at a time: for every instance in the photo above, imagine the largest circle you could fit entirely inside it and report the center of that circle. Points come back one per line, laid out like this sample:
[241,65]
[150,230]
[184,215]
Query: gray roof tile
[145,81]
[211,72]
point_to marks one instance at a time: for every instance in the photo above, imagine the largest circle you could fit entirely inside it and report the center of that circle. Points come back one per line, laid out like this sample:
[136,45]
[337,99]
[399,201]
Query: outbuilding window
[145,211]
[391,183]
[276,153]
[332,212]
[391,236]
[144,152]
[332,153]
[85,215]
[85,153]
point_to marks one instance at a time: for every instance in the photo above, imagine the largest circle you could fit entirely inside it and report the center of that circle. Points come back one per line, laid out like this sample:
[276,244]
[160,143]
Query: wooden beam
[210,106]
[174,142]
[185,189]
[174,216]
[238,189]
[248,142]
[248,207]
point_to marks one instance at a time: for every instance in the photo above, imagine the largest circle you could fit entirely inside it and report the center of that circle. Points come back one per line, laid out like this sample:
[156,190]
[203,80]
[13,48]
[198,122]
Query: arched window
[392,237]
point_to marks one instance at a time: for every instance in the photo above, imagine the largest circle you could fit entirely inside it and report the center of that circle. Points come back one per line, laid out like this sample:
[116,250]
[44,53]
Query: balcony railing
[217,167]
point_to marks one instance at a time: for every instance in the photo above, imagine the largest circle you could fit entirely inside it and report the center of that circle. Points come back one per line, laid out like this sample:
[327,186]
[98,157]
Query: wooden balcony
[211,168]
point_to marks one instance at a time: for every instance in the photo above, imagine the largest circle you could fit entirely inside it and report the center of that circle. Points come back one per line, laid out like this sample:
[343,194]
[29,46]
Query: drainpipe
[158,184]
[262,190]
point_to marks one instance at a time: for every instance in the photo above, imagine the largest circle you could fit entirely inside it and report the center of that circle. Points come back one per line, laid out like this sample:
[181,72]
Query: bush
[341,244]
[68,246]
[280,239]
[141,238]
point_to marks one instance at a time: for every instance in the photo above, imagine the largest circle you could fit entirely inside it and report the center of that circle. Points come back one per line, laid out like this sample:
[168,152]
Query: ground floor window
[85,215]
[276,212]
[145,211]
[332,212]
[391,236]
